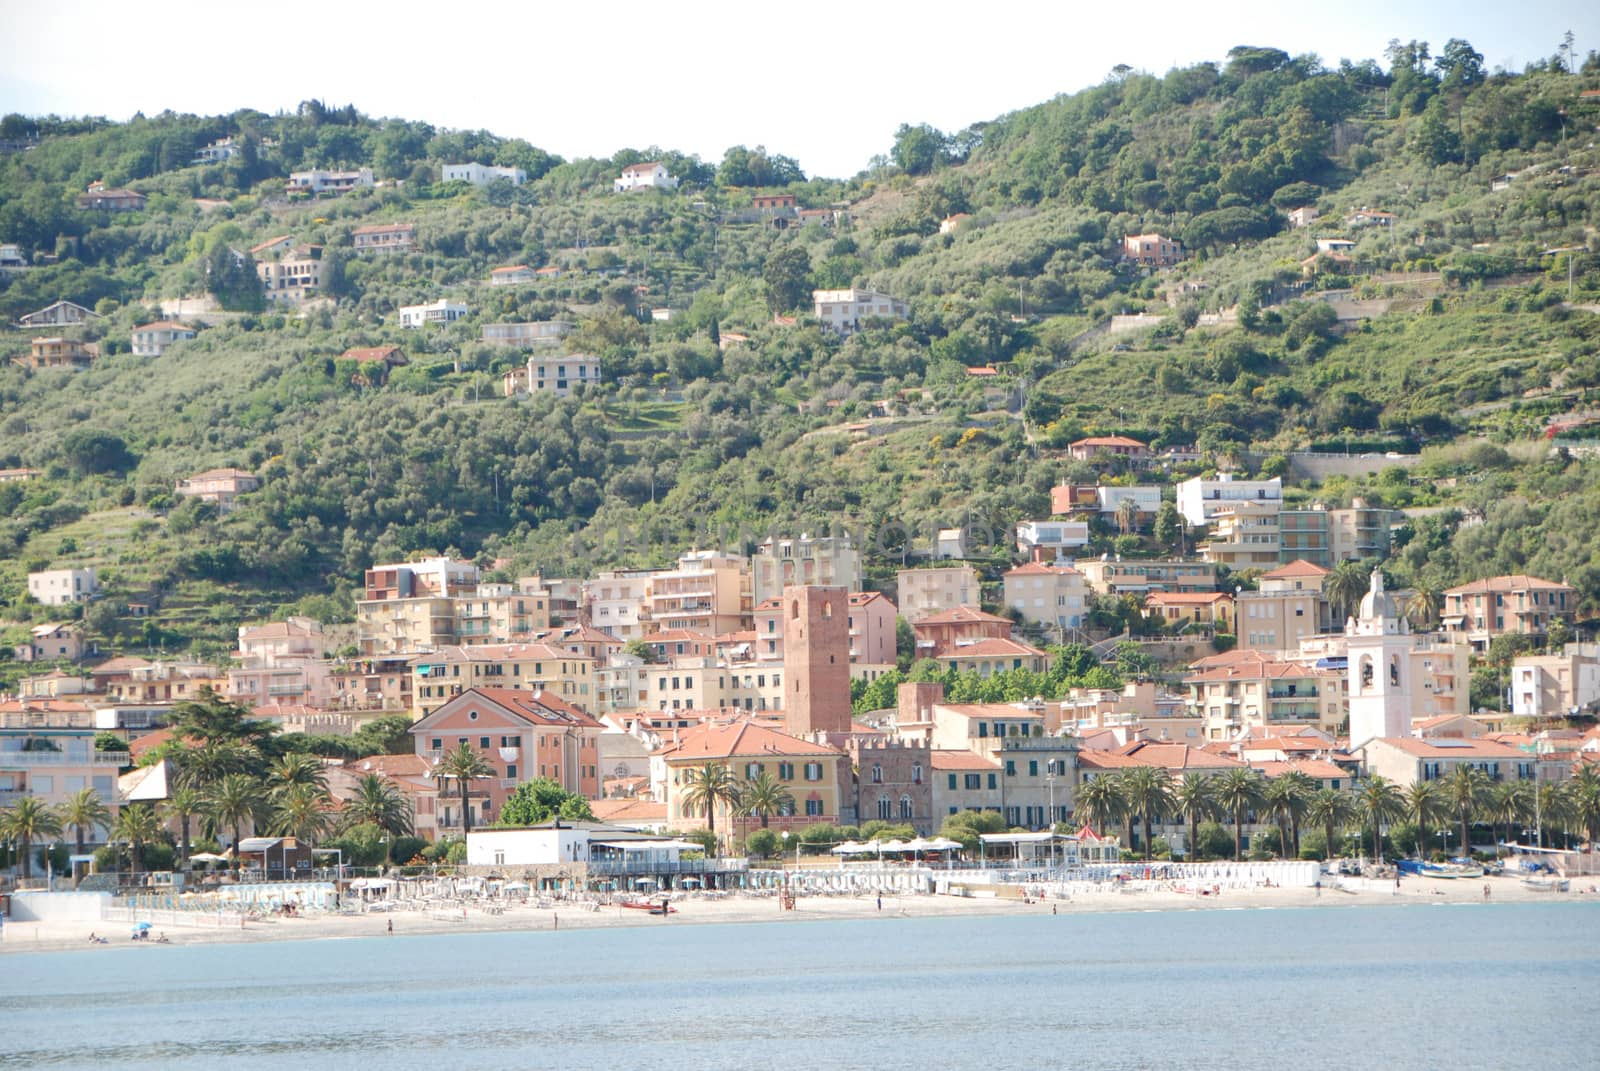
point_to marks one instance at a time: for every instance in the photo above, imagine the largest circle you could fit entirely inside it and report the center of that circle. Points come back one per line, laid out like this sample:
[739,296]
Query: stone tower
[1378,643]
[816,660]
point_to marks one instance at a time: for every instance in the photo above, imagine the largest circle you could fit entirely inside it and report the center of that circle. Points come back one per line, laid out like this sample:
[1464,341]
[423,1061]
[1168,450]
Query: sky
[827,86]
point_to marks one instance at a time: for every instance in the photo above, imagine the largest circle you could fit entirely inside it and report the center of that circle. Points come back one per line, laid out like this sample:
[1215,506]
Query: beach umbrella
[141,926]
[206,857]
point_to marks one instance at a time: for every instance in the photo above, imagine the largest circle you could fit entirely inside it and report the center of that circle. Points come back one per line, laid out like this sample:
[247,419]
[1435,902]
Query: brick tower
[816,660]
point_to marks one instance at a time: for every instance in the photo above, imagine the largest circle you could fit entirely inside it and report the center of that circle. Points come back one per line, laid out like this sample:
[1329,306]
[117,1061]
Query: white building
[1145,497]
[483,174]
[572,842]
[318,181]
[826,561]
[554,375]
[644,176]
[218,151]
[151,340]
[1378,644]
[58,587]
[1052,538]
[843,310]
[527,334]
[1199,499]
[442,311]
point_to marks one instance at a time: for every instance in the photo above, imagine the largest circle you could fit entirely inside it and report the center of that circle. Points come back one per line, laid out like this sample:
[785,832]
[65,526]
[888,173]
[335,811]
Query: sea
[1458,987]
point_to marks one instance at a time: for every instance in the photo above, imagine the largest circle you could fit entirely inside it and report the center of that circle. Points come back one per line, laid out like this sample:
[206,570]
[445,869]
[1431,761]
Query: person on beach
[1486,892]
[391,925]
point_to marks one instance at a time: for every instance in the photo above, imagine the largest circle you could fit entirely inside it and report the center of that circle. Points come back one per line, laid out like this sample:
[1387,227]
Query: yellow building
[444,674]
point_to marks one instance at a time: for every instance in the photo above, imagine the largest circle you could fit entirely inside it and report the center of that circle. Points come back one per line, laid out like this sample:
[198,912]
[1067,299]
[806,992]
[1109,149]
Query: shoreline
[24,937]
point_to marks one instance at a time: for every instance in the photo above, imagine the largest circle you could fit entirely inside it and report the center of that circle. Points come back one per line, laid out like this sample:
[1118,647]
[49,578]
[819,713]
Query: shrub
[761,844]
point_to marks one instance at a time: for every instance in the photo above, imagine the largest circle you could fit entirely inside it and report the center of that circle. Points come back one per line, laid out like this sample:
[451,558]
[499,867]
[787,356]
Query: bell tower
[1378,642]
[816,660]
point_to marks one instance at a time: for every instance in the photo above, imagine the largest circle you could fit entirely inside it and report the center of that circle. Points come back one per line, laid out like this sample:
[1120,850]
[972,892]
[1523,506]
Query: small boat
[657,908]
[1547,884]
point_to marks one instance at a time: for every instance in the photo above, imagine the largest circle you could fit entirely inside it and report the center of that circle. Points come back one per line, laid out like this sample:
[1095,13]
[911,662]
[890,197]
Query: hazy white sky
[825,84]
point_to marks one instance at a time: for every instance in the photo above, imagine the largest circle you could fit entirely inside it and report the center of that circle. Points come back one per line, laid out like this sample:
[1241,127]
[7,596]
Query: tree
[1434,138]
[1346,587]
[763,797]
[1332,809]
[28,820]
[1237,791]
[788,277]
[1380,801]
[1509,804]
[85,812]
[297,771]
[1169,530]
[301,812]
[463,766]
[706,786]
[1286,796]
[1148,792]
[1422,805]
[137,825]
[1423,606]
[91,452]
[1101,801]
[1127,515]
[1583,800]
[183,804]
[761,843]
[1465,791]
[1194,801]
[1459,64]
[231,802]
[379,802]
[541,800]
[919,149]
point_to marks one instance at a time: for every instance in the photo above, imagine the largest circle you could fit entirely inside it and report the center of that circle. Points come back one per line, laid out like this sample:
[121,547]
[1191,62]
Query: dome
[1377,603]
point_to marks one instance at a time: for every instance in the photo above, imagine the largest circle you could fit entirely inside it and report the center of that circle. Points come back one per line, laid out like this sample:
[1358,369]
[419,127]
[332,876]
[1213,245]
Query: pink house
[1151,250]
[521,736]
[221,486]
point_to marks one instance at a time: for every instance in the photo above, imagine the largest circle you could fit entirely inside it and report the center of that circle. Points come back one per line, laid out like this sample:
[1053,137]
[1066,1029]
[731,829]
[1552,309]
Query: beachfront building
[520,735]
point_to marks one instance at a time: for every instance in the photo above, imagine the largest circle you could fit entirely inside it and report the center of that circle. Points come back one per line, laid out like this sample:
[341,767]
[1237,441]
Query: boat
[1443,871]
[657,908]
[1552,885]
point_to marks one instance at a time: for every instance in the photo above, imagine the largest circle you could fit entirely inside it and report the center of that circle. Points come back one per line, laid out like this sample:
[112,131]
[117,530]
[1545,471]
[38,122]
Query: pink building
[943,633]
[871,623]
[1151,250]
[521,736]
[221,486]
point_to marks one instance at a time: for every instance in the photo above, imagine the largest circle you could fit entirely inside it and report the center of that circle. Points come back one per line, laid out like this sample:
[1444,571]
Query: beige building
[1117,577]
[68,353]
[828,561]
[1553,686]
[708,592]
[990,656]
[1409,760]
[293,277]
[932,590]
[708,683]
[552,375]
[1263,694]
[1288,608]
[1500,605]
[219,486]
[534,333]
[1055,596]
[441,675]
[619,602]
[1244,535]
[384,238]
[1151,250]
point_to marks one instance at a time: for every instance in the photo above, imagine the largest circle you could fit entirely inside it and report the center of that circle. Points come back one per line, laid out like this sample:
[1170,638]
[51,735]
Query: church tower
[1378,642]
[816,660]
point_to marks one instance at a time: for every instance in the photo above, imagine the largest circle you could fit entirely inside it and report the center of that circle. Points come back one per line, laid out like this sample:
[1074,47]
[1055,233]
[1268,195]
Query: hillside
[1453,326]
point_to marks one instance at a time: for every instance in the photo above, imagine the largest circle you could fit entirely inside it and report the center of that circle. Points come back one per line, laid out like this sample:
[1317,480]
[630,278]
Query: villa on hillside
[220,486]
[384,238]
[152,340]
[644,176]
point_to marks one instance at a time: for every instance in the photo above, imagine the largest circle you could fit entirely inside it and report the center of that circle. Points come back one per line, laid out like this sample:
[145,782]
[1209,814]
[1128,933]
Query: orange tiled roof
[1298,567]
[736,739]
[1514,582]
[1455,747]
[993,648]
[951,759]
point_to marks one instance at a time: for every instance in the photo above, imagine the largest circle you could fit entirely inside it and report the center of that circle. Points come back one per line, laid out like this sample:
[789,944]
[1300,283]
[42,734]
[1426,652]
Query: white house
[151,340]
[317,181]
[483,174]
[572,842]
[644,176]
[1200,499]
[1053,537]
[58,587]
[442,311]
[216,152]
[843,310]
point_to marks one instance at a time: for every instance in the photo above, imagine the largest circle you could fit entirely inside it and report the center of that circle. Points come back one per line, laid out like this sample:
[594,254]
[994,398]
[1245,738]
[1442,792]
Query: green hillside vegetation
[698,434]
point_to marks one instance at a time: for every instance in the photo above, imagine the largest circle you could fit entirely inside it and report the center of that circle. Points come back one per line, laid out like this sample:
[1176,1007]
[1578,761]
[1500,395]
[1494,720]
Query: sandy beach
[25,937]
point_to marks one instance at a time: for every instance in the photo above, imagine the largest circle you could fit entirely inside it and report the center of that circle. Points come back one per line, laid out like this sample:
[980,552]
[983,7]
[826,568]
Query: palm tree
[138,825]
[184,804]
[85,812]
[1332,809]
[1583,796]
[463,766]
[1422,805]
[1127,515]
[1509,804]
[379,802]
[1238,790]
[26,821]
[1466,790]
[764,797]
[1423,606]
[206,765]
[1148,792]
[707,786]
[1554,809]
[297,769]
[1195,800]
[1380,801]
[1285,797]
[301,813]
[1345,586]
[1101,801]
[232,802]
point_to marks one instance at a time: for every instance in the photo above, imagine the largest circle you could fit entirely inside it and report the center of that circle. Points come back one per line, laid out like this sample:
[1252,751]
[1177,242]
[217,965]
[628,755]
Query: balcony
[14,759]
[624,868]
[1296,693]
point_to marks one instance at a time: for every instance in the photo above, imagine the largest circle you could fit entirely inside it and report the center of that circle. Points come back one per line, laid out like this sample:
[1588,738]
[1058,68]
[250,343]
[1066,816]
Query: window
[974,781]
[508,741]
[916,773]
[511,771]
[993,781]
[877,774]
[436,744]
[483,742]
[905,806]
[952,781]
[886,808]
[752,770]
[1011,768]
[813,808]
[813,773]
[786,771]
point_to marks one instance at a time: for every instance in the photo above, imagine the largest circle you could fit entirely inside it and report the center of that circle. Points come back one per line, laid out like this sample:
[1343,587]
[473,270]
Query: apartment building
[443,311]
[441,675]
[940,587]
[844,310]
[60,587]
[384,238]
[1055,596]
[708,592]
[1113,576]
[1501,605]
[552,375]
[1200,499]
[826,561]
[152,339]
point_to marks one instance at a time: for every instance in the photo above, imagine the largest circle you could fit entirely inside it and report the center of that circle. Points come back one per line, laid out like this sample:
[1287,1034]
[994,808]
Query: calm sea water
[1458,987]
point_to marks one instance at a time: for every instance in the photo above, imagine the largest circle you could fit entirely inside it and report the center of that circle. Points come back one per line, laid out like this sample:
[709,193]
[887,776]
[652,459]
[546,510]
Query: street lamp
[1050,783]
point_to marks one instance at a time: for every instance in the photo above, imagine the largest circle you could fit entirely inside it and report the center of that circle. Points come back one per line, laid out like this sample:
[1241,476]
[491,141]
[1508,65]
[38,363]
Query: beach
[734,909]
